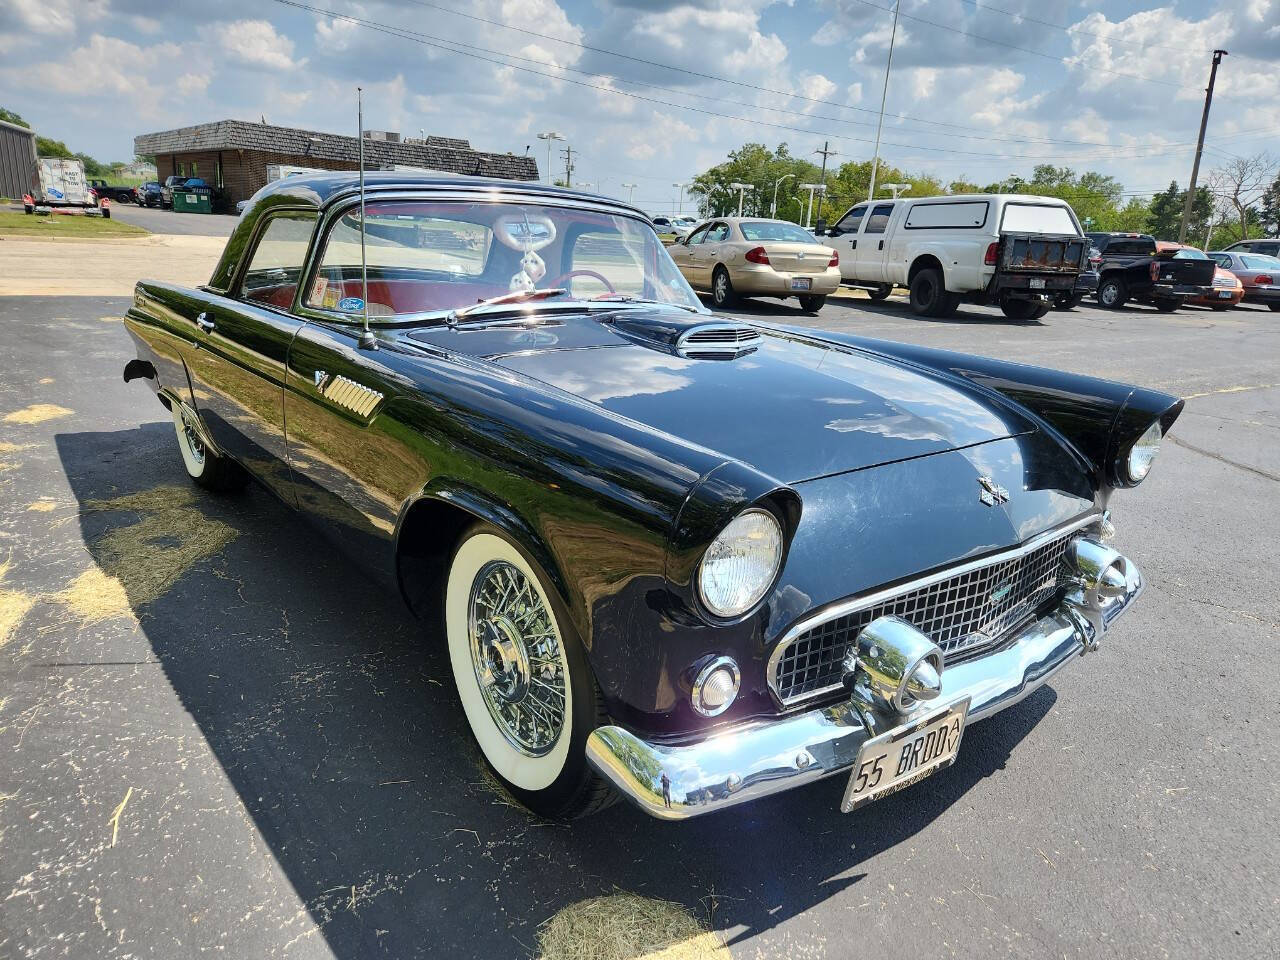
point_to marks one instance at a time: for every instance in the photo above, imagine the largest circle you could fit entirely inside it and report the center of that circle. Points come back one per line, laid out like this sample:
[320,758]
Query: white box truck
[60,182]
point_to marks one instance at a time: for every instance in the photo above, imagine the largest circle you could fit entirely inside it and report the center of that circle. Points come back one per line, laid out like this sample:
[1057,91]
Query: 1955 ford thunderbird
[677,557]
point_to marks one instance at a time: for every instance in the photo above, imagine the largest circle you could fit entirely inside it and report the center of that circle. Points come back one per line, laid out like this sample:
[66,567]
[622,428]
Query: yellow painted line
[1241,389]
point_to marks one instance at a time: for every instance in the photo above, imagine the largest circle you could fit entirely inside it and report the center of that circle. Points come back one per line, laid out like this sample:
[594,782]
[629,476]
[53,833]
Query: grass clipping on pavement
[624,926]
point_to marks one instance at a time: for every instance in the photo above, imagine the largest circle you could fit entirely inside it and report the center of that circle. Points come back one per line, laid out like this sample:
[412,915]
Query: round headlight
[741,563]
[1143,453]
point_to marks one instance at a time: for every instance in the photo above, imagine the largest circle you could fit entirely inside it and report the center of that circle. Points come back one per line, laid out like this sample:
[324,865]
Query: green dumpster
[192,201]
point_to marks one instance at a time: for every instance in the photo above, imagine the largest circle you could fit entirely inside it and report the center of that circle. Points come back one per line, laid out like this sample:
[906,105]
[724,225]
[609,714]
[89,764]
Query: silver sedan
[755,257]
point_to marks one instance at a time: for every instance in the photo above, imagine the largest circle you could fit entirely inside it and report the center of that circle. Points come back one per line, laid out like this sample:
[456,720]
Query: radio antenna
[367,341]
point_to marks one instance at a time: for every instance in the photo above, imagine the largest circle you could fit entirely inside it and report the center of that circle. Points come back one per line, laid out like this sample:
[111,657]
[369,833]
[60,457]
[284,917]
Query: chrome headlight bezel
[743,525]
[1142,453]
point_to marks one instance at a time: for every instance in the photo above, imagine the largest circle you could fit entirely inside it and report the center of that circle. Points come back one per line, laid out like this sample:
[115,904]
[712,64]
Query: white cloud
[256,44]
[59,17]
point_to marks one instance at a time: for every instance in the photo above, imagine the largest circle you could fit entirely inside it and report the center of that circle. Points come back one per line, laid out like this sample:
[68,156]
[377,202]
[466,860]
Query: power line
[451,46]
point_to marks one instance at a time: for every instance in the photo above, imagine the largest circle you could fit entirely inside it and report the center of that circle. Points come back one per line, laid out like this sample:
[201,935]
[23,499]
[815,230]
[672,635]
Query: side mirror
[834,232]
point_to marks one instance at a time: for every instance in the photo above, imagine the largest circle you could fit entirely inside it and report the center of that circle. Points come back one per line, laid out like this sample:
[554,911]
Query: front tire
[1274,307]
[1167,304]
[206,468]
[812,304]
[1023,309]
[1067,301]
[1112,293]
[522,676]
[722,294]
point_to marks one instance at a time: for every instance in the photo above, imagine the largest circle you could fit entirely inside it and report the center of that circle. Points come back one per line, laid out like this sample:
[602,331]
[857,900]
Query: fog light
[715,687]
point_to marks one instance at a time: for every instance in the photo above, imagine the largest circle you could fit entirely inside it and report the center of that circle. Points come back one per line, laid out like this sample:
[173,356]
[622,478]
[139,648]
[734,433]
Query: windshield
[760,230]
[425,256]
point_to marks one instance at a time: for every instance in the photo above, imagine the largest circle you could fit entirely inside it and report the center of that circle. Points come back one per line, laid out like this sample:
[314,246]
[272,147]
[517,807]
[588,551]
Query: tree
[1270,206]
[757,165]
[1241,183]
[8,116]
[1165,219]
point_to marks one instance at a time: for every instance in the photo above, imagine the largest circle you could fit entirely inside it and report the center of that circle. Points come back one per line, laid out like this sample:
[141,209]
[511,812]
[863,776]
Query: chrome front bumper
[766,757]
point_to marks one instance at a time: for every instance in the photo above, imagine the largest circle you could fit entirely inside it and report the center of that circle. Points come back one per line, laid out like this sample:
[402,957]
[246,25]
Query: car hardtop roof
[321,188]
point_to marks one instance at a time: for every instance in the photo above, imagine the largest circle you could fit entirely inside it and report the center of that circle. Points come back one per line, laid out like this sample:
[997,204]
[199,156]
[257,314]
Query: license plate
[1224,294]
[1036,283]
[799,283]
[906,755]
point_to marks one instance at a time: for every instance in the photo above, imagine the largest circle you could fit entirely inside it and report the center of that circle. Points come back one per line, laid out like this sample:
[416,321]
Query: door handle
[204,323]
[853,244]
[881,247]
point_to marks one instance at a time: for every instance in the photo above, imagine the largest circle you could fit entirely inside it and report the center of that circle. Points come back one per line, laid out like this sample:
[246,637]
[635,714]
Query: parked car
[1269,248]
[1086,283]
[735,257]
[672,225]
[1134,268]
[691,560]
[1259,275]
[1228,291]
[1018,252]
[166,190]
[149,194]
[117,192]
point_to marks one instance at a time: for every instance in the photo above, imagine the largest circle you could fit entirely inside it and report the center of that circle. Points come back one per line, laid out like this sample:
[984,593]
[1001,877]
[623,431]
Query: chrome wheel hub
[194,444]
[722,286]
[516,654]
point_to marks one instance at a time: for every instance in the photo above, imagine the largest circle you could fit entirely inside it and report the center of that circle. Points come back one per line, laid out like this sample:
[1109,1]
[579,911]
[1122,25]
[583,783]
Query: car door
[698,270]
[682,254]
[240,345]
[871,253]
[710,251]
[844,238]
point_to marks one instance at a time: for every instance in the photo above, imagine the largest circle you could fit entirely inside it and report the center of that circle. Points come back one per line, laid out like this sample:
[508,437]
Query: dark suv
[1268,248]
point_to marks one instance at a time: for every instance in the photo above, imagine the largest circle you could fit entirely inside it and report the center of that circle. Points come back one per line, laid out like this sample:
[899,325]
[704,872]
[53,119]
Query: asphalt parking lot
[222,740]
[166,221]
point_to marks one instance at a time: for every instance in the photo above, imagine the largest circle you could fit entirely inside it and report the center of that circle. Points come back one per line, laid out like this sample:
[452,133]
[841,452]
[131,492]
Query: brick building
[233,155]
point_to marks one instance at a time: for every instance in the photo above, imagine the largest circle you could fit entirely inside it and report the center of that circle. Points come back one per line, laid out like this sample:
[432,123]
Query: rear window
[960,215]
[1256,261]
[1131,247]
[783,232]
[1038,218]
[1189,253]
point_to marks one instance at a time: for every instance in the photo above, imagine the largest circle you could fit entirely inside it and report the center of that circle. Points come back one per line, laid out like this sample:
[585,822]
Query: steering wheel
[560,280]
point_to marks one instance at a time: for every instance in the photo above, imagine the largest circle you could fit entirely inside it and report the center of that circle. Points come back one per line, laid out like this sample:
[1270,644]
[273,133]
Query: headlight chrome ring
[1143,453]
[741,564]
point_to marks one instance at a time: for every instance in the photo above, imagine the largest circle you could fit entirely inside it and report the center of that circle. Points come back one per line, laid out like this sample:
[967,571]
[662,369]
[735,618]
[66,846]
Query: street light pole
[549,136]
[811,187]
[742,189]
[897,188]
[680,200]
[884,95]
[773,207]
[631,190]
[1195,164]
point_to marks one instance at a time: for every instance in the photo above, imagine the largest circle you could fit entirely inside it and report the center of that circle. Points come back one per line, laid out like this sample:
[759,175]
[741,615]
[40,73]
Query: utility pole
[1195,164]
[631,190]
[884,95]
[826,151]
[568,165]
[549,136]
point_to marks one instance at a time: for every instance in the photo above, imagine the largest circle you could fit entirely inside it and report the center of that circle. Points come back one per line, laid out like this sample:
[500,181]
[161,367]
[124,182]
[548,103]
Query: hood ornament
[991,492]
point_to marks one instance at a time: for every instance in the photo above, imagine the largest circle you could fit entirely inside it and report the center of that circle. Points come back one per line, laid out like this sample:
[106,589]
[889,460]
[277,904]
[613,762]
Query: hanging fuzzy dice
[532,269]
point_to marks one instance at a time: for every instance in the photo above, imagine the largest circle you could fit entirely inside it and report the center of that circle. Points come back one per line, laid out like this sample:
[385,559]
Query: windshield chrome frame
[340,204]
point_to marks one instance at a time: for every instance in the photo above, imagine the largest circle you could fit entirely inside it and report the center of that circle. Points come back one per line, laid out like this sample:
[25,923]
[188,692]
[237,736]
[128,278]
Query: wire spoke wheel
[516,656]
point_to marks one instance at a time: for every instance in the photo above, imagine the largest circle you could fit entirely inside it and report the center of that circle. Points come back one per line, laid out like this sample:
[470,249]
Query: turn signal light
[756,255]
[835,260]
[993,250]
[1263,278]
[1155,270]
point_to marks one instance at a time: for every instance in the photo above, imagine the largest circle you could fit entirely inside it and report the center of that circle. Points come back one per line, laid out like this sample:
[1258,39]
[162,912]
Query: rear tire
[1023,309]
[929,297]
[1112,293]
[1274,307]
[1067,301]
[812,304]
[1166,304]
[880,292]
[497,647]
[206,468]
[722,294]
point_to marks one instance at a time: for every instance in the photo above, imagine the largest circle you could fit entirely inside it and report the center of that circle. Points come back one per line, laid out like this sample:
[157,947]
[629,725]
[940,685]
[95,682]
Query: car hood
[794,408]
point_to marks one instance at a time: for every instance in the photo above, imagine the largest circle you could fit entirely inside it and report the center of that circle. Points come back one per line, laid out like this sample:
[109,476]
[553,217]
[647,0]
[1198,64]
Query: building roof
[434,153]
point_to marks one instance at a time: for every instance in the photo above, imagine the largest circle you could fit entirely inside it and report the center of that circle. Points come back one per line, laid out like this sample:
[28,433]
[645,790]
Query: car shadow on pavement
[330,711]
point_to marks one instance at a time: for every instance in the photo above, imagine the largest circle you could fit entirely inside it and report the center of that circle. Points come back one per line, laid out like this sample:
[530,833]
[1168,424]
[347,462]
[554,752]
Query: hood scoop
[691,339]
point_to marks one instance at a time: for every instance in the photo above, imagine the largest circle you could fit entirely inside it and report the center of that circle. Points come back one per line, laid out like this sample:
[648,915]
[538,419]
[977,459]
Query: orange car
[1227,288]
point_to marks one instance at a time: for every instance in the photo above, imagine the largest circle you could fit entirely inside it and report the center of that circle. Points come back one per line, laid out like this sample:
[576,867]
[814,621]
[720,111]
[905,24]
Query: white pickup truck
[1012,250]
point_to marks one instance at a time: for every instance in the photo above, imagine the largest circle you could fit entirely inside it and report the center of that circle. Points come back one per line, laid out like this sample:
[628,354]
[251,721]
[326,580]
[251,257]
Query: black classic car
[675,556]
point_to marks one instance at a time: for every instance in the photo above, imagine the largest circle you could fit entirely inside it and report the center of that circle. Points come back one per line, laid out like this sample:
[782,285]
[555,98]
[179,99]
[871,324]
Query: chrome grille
[723,336]
[965,612]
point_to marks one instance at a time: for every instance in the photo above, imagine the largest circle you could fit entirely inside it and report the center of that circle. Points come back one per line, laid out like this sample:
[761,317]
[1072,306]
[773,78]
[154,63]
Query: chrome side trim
[854,604]
[769,756]
[355,397]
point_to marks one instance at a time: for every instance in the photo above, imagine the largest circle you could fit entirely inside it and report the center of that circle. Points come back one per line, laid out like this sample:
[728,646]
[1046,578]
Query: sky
[652,92]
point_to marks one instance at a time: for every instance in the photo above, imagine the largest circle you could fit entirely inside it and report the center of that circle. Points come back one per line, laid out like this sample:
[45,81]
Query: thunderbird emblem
[991,492]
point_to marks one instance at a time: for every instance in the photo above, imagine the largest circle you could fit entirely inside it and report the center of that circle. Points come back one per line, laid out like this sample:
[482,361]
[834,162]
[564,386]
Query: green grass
[64,225]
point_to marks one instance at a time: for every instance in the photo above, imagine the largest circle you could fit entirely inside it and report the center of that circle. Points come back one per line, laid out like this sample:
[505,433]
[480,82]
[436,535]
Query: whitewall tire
[206,468]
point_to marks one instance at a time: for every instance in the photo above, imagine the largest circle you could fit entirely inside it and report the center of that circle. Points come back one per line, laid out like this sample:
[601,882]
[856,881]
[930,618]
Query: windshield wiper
[628,298]
[513,298]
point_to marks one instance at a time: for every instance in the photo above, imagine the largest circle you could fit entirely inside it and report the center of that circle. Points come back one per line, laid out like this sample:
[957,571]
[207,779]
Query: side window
[718,233]
[852,220]
[699,235]
[1270,249]
[879,219]
[275,266]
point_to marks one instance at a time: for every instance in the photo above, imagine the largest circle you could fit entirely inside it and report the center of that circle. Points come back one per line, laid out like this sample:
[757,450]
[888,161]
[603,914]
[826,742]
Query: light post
[812,187]
[897,188]
[680,200]
[742,189]
[773,207]
[549,136]
[631,190]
